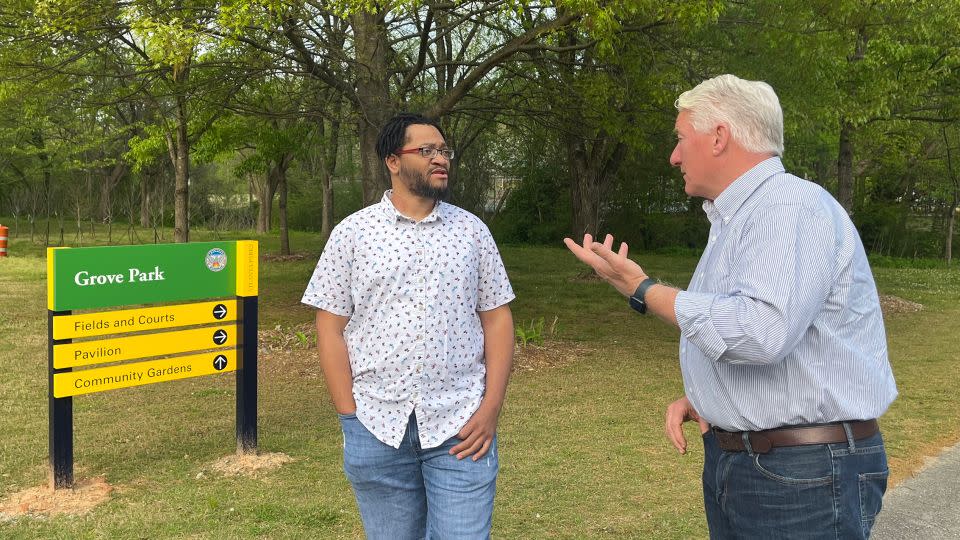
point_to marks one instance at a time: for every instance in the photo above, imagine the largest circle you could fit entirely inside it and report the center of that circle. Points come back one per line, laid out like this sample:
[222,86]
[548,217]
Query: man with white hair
[782,350]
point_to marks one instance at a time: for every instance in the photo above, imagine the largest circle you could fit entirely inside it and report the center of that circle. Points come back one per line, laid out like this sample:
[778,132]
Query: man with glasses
[415,336]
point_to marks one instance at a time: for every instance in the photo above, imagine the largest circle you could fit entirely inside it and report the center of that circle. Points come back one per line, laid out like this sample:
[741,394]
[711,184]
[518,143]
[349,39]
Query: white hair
[750,109]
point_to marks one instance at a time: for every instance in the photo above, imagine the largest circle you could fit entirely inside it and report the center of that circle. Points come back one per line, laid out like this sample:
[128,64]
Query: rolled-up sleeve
[693,316]
[779,279]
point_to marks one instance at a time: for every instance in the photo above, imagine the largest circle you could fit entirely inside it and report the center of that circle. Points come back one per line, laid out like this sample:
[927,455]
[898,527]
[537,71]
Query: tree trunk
[373,96]
[948,242]
[110,181]
[145,198]
[955,203]
[281,173]
[590,171]
[179,147]
[40,143]
[264,194]
[327,169]
[845,176]
[845,167]
[48,194]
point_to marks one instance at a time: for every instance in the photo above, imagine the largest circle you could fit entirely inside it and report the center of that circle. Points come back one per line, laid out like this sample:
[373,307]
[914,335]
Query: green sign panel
[96,277]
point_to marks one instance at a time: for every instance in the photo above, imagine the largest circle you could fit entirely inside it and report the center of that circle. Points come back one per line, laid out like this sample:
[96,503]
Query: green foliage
[89,86]
[537,209]
[304,208]
[147,148]
[531,333]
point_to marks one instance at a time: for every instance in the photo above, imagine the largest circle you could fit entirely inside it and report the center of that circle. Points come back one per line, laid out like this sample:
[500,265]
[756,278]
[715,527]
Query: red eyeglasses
[428,152]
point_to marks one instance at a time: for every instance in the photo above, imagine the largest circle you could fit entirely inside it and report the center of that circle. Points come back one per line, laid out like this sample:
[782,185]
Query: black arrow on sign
[220,337]
[219,311]
[219,362]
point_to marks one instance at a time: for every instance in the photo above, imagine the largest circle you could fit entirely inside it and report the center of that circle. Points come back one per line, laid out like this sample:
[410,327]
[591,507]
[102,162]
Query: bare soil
[45,501]
[248,464]
[890,304]
[551,354]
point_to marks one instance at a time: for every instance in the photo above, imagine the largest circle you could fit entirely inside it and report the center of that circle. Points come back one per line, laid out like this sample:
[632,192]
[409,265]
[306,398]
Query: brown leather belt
[762,441]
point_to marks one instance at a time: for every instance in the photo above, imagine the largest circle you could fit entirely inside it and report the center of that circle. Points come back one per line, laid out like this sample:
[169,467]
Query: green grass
[582,450]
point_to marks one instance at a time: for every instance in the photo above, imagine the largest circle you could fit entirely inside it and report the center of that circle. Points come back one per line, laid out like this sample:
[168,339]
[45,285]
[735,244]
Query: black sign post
[247,375]
[60,418]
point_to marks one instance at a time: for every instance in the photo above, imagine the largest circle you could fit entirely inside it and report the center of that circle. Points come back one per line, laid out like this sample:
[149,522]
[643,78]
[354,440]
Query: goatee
[419,184]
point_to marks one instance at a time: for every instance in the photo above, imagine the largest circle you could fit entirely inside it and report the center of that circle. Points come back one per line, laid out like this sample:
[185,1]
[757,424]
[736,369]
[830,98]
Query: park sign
[135,315]
[96,277]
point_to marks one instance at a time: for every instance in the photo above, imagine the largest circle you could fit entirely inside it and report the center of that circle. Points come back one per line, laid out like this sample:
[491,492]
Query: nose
[675,156]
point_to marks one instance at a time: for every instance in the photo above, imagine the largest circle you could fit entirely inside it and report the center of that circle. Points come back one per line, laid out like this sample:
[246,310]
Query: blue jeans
[799,492]
[414,493]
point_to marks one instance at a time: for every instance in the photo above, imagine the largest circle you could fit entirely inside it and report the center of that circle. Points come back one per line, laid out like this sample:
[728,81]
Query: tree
[389,51]
[169,54]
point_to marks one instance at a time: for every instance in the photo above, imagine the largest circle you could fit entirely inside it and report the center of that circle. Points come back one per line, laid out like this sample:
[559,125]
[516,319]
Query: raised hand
[615,268]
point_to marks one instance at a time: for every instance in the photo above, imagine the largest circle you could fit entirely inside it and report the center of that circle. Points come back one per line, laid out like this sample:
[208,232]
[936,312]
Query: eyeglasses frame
[433,152]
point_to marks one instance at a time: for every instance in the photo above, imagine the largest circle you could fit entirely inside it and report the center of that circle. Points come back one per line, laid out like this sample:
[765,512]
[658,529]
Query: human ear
[393,163]
[721,137]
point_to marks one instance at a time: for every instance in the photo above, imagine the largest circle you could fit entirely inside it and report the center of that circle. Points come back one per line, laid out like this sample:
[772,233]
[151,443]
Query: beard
[419,184]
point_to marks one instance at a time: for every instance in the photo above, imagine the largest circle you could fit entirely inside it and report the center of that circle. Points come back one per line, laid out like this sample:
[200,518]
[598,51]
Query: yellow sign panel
[136,320]
[88,381]
[86,353]
[247,268]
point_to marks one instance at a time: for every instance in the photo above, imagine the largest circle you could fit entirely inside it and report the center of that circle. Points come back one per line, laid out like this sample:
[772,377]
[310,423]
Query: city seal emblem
[216,260]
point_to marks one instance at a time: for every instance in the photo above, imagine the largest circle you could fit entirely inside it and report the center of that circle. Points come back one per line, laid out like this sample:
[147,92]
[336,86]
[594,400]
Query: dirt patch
[890,304]
[587,276]
[45,501]
[248,464]
[549,355]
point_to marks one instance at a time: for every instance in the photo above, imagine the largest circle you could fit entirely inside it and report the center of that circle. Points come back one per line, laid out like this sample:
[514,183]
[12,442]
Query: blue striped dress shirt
[781,323]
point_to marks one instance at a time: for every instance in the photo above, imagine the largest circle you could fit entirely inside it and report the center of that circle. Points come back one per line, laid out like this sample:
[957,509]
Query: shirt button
[419,337]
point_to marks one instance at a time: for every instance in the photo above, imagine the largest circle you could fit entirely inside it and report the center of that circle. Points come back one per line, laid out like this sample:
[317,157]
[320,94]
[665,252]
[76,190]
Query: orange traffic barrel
[3,240]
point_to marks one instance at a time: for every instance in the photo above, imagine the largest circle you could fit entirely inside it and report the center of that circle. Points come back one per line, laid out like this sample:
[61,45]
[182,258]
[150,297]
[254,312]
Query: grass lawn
[582,450]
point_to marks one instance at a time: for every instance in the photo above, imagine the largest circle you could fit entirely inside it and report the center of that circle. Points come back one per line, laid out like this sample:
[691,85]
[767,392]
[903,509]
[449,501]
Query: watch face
[638,304]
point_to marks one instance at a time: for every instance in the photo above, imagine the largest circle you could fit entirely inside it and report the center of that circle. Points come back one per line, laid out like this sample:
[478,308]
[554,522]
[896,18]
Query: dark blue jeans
[800,492]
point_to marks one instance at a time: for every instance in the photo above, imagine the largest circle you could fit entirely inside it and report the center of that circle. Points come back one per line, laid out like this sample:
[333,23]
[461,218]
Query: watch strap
[638,298]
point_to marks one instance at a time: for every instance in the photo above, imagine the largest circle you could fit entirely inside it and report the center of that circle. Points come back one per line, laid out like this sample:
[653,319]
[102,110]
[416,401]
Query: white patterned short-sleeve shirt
[412,290]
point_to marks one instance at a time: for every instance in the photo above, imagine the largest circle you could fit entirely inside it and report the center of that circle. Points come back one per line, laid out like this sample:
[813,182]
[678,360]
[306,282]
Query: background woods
[264,113]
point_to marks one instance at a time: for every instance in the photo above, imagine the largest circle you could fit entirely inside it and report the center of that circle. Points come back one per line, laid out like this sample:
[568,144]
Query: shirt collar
[393,215]
[737,193]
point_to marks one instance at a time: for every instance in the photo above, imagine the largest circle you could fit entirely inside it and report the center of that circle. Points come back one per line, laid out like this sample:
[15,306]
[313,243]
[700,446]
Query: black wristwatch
[637,299]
